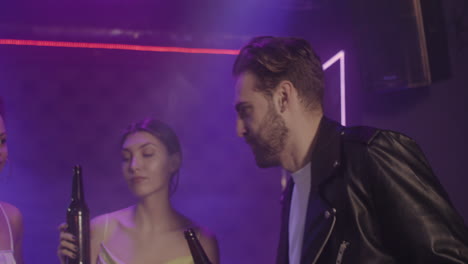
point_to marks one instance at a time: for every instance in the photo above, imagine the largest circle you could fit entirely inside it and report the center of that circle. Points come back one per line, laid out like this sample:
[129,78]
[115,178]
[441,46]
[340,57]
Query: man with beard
[357,194]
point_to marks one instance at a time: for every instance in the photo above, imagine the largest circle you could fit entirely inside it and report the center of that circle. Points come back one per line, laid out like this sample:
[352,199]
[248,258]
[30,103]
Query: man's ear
[283,95]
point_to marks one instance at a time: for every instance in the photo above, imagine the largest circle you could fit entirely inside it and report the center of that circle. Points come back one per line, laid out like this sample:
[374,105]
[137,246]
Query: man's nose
[241,129]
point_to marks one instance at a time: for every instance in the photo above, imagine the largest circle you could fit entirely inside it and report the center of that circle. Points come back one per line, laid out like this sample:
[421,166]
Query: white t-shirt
[298,211]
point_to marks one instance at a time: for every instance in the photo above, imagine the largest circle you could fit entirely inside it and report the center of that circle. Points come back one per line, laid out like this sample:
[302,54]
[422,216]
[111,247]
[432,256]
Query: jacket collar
[325,157]
[326,154]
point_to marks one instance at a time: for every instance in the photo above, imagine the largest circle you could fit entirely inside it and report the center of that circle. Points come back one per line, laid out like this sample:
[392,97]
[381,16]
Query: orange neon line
[43,43]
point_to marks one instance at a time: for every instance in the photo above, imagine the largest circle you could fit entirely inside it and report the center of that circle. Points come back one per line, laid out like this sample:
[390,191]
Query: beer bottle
[78,219]
[198,254]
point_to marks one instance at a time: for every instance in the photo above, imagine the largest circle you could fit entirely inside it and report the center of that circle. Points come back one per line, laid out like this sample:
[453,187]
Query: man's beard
[269,141]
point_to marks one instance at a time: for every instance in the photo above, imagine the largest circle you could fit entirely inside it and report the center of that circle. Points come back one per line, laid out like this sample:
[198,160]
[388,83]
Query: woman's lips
[138,179]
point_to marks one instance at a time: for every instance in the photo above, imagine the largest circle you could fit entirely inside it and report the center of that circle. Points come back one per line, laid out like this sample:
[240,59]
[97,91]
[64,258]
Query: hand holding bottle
[74,247]
[67,245]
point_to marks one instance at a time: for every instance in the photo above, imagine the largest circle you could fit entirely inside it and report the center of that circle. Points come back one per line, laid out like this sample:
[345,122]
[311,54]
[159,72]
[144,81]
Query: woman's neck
[155,213]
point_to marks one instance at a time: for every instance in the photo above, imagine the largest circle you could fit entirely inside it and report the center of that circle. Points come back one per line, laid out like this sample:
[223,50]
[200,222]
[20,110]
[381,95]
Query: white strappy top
[7,256]
[106,257]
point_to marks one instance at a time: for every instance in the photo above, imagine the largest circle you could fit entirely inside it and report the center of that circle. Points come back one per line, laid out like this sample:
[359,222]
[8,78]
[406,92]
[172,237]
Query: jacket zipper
[341,251]
[327,238]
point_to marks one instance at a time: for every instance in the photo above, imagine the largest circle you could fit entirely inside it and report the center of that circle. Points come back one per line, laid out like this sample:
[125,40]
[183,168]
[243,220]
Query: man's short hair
[274,59]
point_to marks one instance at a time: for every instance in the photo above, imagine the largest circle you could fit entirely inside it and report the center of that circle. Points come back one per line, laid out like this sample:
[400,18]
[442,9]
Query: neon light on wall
[42,43]
[340,56]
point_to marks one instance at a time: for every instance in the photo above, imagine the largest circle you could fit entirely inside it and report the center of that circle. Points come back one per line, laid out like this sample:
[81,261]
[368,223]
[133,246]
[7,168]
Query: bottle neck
[77,187]
[198,254]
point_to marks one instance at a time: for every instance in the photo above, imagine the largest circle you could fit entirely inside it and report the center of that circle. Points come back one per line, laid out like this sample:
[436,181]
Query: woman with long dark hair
[152,230]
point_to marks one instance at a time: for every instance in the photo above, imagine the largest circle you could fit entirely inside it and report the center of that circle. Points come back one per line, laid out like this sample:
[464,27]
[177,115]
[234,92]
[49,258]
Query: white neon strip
[340,56]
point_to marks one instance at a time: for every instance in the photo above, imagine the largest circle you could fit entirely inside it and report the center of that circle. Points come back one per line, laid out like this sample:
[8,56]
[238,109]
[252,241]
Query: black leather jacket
[380,201]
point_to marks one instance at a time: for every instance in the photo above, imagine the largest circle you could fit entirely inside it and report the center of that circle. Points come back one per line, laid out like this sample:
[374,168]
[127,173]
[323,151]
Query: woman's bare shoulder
[15,218]
[106,222]
[14,214]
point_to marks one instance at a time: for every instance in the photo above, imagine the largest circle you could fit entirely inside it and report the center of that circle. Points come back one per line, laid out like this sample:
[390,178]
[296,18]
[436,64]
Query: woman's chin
[142,192]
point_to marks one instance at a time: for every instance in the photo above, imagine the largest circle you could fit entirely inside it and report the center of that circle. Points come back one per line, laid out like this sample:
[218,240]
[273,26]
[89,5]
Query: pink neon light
[63,44]
[340,56]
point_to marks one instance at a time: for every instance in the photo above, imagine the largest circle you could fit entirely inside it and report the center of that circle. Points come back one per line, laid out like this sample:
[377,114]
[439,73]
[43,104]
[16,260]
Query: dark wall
[435,116]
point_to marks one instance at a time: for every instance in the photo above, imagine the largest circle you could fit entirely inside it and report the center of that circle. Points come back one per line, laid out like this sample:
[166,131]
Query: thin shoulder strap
[9,227]
[106,227]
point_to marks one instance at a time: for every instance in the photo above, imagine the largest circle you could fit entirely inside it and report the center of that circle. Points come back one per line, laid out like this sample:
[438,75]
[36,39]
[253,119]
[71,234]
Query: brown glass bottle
[198,254]
[78,219]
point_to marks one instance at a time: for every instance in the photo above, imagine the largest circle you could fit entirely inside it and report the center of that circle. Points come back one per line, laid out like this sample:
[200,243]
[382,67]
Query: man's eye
[3,141]
[244,113]
[146,155]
